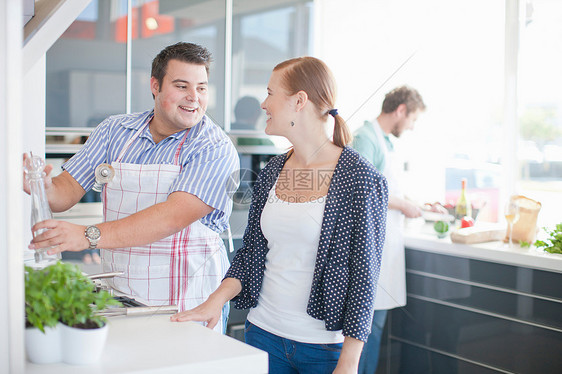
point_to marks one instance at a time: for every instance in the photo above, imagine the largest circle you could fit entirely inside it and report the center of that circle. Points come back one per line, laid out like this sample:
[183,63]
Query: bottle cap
[34,166]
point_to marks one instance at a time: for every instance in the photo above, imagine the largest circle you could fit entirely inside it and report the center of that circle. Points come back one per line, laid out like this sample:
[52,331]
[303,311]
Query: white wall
[33,121]
[11,275]
[22,128]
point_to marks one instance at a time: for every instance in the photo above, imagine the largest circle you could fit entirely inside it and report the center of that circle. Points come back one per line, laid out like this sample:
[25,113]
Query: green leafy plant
[524,244]
[553,244]
[40,309]
[61,292]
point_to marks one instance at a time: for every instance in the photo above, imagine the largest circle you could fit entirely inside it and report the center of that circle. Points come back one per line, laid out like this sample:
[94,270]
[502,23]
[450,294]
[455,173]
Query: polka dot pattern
[349,254]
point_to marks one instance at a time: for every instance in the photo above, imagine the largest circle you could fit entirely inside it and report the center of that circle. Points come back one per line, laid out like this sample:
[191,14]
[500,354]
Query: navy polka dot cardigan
[349,254]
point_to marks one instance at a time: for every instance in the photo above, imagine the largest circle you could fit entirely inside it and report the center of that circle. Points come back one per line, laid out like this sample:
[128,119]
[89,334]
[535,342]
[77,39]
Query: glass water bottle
[40,209]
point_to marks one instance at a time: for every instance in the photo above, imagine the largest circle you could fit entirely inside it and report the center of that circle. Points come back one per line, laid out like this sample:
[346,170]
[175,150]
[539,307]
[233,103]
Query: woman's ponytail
[342,135]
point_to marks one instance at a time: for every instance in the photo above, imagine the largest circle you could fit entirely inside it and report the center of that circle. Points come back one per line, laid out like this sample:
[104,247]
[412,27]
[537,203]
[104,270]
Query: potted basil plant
[42,318]
[61,298]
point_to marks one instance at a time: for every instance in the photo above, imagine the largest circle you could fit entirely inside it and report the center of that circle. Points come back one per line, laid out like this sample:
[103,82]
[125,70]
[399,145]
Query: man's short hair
[403,95]
[186,52]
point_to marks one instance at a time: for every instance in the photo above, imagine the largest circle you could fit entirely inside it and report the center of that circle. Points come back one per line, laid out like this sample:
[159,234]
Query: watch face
[93,232]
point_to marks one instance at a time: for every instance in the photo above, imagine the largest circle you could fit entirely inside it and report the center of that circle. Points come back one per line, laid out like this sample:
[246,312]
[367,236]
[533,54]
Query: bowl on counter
[435,216]
[475,211]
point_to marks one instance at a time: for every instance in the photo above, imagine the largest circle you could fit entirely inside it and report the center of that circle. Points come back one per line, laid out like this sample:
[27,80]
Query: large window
[452,53]
[540,108]
[494,111]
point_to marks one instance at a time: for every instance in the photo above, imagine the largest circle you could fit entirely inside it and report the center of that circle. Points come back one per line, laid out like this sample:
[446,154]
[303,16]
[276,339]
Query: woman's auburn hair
[313,76]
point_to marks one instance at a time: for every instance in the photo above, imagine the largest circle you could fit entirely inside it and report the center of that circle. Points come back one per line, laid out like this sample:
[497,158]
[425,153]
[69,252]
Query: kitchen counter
[422,237]
[153,344]
[477,308]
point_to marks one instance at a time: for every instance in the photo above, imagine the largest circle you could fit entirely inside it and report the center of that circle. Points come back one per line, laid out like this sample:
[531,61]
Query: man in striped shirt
[169,198]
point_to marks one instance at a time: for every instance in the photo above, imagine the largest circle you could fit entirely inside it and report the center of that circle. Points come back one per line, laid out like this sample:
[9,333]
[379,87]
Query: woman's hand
[59,236]
[349,357]
[343,368]
[209,312]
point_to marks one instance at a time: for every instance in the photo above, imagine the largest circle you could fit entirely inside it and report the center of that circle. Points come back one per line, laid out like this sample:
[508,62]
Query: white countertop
[154,344]
[422,237]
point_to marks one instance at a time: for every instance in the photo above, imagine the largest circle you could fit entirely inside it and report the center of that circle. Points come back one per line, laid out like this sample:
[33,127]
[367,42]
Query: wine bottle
[463,207]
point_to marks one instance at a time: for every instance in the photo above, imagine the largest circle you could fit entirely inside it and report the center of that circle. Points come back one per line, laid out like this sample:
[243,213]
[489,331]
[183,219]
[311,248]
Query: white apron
[182,269]
[391,288]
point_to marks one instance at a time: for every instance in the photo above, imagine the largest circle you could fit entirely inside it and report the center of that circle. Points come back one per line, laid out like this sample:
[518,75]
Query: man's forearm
[64,192]
[395,203]
[154,223]
[144,227]
[408,208]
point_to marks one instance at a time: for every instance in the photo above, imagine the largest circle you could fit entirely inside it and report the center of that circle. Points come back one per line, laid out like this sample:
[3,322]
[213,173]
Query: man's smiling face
[181,101]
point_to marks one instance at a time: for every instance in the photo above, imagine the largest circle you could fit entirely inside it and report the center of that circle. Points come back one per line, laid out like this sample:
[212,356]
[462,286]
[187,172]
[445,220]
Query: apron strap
[133,138]
[137,134]
[178,150]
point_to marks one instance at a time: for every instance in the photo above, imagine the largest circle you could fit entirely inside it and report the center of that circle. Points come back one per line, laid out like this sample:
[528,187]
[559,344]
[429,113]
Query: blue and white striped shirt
[209,162]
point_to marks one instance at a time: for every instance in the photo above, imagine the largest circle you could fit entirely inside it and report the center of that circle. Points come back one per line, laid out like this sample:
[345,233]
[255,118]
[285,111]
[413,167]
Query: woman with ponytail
[311,255]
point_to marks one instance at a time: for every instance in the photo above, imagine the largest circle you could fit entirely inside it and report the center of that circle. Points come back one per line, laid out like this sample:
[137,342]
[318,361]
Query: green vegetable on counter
[524,244]
[554,243]
[441,227]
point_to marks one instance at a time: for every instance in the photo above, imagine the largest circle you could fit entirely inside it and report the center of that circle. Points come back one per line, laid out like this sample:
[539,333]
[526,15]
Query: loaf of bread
[525,228]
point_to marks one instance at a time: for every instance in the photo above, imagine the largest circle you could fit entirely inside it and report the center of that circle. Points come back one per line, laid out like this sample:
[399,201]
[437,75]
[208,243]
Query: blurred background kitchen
[489,72]
[485,69]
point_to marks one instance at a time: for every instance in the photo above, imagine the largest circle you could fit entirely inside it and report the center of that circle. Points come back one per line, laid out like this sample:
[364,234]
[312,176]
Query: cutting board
[478,234]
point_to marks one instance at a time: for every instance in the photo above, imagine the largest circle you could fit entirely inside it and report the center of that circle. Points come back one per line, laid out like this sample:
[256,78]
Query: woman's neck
[313,152]
[312,146]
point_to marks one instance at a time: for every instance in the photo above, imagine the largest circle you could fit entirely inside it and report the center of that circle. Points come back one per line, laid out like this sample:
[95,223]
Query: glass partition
[86,67]
[165,22]
[264,34]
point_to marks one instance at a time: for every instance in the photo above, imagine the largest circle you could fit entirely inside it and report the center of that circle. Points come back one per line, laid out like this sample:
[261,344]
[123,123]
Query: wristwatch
[93,234]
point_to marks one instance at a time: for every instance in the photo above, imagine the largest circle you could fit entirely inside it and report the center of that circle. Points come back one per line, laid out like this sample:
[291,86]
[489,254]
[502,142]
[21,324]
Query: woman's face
[278,107]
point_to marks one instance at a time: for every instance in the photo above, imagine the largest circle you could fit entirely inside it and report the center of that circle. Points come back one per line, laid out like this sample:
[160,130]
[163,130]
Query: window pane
[86,67]
[264,34]
[540,110]
[459,72]
[157,24]
[452,52]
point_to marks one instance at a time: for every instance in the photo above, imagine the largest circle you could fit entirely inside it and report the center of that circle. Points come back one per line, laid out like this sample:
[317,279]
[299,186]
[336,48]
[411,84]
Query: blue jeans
[225,313]
[370,355]
[291,357]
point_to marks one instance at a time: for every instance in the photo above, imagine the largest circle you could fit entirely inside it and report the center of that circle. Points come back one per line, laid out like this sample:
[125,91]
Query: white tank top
[292,231]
